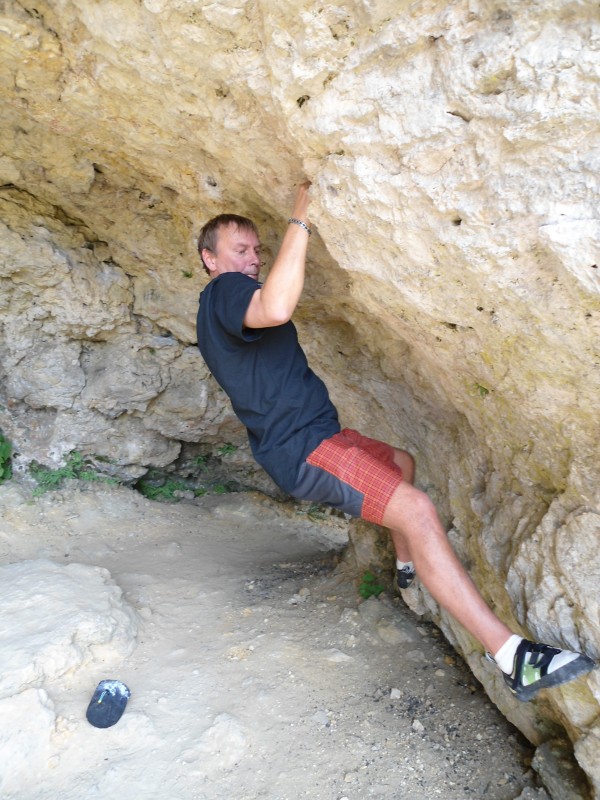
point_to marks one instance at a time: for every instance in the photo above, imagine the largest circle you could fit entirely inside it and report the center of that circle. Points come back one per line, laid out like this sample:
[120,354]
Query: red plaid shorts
[351,472]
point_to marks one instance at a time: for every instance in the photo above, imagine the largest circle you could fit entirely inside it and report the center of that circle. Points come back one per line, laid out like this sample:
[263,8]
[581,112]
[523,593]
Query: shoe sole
[580,666]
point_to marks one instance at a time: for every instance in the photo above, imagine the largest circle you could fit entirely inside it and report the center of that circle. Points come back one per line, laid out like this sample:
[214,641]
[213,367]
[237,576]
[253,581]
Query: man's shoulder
[231,278]
[223,304]
[232,283]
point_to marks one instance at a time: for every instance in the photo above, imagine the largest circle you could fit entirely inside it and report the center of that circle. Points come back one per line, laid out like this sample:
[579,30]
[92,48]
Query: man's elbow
[279,315]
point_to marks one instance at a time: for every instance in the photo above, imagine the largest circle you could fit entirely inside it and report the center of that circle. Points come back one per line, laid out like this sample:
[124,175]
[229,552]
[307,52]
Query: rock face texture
[452,302]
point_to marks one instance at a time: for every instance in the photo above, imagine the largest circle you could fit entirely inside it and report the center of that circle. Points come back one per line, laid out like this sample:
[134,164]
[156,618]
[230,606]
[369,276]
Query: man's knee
[408,506]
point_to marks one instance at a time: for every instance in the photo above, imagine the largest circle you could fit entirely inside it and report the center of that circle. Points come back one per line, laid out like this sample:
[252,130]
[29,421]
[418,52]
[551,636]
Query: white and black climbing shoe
[540,666]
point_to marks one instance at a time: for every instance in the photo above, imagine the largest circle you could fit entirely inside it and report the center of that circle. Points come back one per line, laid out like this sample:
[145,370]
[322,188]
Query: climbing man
[250,345]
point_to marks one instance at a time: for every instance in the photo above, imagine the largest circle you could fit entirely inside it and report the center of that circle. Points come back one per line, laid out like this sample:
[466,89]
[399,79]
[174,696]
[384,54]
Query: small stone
[300,597]
[296,600]
[321,717]
[391,634]
[418,726]
[349,617]
[371,610]
[415,655]
[395,694]
[336,656]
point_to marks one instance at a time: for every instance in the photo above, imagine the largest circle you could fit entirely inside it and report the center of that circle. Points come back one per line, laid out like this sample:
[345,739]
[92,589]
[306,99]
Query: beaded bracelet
[302,224]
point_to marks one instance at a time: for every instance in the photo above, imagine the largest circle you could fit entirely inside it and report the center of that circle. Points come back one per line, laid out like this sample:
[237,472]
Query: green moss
[5,458]
[76,467]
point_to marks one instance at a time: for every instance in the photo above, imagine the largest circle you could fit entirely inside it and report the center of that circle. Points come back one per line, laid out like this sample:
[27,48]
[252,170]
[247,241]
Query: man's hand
[300,210]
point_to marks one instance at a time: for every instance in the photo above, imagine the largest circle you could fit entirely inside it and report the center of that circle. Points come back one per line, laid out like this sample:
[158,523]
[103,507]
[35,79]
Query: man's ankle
[505,657]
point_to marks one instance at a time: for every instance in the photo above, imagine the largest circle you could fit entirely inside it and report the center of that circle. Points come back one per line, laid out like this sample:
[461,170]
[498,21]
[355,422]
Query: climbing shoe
[405,576]
[539,666]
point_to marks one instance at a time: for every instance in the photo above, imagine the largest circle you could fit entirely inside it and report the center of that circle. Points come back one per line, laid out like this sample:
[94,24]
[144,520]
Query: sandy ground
[255,670]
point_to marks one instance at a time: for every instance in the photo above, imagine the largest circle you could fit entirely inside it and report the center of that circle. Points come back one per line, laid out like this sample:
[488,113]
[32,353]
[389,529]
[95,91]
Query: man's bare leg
[407,464]
[415,525]
[499,633]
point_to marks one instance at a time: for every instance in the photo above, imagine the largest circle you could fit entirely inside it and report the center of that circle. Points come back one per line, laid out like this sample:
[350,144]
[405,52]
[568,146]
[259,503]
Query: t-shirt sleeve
[232,293]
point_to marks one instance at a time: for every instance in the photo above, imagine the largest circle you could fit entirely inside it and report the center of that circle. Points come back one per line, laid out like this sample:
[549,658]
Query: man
[249,343]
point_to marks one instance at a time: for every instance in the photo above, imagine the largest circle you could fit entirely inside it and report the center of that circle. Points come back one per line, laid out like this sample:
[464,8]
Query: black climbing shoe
[405,576]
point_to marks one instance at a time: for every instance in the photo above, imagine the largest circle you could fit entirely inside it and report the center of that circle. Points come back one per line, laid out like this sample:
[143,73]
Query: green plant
[227,449]
[76,467]
[187,274]
[5,454]
[370,586]
[314,511]
[153,489]
[163,491]
[317,511]
[481,390]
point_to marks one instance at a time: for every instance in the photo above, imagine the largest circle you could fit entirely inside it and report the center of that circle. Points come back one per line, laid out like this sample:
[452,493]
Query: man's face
[237,250]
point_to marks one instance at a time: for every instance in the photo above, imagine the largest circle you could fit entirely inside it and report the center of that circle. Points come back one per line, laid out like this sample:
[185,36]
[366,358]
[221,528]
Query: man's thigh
[353,473]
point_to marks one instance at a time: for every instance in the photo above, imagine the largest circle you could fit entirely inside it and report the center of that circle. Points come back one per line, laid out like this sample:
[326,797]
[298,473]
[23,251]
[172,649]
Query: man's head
[230,243]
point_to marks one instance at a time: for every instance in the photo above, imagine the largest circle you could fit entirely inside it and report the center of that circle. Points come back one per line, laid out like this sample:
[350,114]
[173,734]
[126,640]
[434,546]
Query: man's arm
[274,303]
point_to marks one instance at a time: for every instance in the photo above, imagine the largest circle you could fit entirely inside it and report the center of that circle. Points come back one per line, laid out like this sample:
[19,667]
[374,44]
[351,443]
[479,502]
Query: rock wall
[452,301]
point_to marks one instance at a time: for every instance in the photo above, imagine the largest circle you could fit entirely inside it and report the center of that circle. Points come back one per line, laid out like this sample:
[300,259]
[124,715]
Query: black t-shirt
[283,404]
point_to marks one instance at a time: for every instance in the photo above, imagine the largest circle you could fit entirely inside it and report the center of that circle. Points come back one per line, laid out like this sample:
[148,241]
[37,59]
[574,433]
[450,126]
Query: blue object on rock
[107,704]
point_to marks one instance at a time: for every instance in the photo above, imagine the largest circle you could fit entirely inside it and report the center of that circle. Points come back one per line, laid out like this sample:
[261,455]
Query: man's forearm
[276,301]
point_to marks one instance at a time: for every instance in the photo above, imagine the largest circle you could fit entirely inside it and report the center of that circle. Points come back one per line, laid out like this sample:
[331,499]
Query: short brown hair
[210,232]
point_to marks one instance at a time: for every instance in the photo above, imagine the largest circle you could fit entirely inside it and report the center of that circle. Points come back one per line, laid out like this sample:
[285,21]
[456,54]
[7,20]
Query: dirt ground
[255,670]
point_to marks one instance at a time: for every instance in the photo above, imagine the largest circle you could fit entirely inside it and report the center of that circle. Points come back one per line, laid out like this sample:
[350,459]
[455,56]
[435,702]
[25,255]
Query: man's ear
[209,259]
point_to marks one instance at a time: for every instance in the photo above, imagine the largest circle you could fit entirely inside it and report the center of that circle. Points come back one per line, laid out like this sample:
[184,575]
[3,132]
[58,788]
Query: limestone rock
[190,403]
[126,373]
[586,751]
[57,618]
[452,295]
[27,755]
[554,763]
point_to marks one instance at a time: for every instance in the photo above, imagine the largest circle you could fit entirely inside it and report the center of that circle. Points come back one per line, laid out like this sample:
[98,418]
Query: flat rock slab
[235,691]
